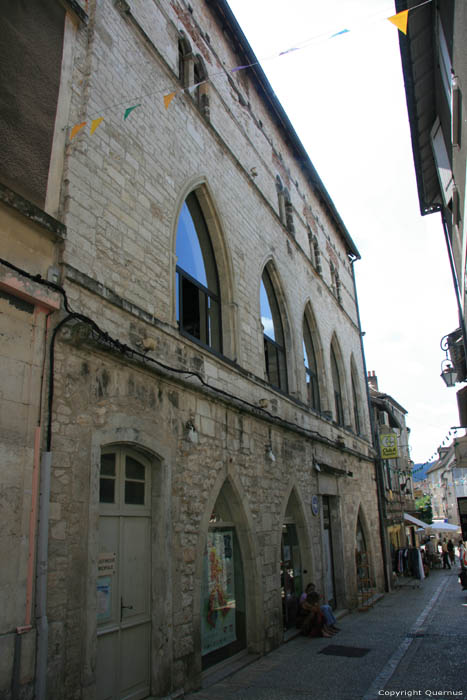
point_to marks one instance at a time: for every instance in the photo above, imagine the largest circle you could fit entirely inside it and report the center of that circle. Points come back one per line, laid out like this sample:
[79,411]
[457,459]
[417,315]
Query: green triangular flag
[129,110]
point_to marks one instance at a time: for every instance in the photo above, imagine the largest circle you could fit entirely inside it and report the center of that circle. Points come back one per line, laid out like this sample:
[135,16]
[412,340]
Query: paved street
[417,647]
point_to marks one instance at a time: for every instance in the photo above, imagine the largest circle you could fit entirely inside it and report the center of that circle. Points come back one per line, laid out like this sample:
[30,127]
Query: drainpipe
[379,488]
[41,582]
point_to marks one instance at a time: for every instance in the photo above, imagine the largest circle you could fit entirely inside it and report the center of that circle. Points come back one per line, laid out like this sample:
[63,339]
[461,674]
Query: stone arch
[228,487]
[185,60]
[357,398]
[293,523]
[310,318]
[335,350]
[225,270]
[289,335]
[368,565]
[201,94]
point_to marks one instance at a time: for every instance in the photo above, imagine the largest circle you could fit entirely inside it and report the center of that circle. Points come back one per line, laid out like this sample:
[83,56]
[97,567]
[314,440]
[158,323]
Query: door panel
[123,583]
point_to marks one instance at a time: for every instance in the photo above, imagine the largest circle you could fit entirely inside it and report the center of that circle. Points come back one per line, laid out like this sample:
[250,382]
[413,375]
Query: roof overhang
[417,55]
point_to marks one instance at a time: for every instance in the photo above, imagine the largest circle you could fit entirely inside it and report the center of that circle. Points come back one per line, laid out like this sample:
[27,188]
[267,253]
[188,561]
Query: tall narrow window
[274,352]
[355,406]
[339,411]
[311,368]
[198,298]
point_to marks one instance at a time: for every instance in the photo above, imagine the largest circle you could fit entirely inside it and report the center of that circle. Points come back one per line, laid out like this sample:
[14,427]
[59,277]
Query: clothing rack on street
[408,567]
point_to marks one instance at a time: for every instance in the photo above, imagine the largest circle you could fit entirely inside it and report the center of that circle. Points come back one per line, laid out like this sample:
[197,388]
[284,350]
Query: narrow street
[412,643]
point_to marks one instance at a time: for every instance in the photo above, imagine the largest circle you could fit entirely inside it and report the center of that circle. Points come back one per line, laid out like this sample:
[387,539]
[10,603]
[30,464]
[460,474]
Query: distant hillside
[420,470]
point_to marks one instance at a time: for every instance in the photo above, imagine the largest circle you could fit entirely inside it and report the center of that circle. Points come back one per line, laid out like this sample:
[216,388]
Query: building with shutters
[185,420]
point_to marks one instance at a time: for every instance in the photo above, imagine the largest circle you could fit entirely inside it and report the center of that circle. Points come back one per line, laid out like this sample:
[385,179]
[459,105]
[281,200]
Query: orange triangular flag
[76,128]
[400,20]
[168,99]
[95,123]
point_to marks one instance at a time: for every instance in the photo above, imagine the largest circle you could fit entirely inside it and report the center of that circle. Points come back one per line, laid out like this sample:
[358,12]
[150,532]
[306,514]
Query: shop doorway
[291,574]
[124,577]
[362,560]
[328,552]
[223,605]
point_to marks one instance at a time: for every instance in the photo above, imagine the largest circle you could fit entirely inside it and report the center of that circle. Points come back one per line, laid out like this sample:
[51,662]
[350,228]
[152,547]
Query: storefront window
[223,619]
[291,575]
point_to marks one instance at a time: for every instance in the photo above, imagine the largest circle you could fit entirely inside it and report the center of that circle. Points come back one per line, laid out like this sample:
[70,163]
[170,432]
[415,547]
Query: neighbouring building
[447,484]
[434,64]
[394,469]
[185,430]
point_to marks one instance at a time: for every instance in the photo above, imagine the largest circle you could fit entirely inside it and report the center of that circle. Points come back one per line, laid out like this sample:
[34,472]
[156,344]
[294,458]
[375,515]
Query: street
[412,643]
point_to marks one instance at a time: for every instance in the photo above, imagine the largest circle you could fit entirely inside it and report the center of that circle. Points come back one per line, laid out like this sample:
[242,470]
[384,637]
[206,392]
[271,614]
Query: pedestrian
[329,617]
[451,551]
[314,624]
[445,553]
[462,555]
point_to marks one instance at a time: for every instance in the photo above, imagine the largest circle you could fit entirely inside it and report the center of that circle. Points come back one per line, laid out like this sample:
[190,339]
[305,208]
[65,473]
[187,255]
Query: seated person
[313,623]
[326,610]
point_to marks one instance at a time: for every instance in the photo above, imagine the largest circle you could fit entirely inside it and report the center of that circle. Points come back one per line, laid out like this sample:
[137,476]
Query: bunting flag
[95,124]
[400,20]
[76,128]
[343,31]
[168,99]
[129,110]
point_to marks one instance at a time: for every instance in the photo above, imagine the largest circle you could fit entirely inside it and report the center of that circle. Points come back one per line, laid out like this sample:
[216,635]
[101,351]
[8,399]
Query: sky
[345,98]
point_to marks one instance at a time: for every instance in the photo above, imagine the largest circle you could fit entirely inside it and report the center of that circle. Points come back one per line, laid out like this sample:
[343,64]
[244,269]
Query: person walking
[451,551]
[445,553]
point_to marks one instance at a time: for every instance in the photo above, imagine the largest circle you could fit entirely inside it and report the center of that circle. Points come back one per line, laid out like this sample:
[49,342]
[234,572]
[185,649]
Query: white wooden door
[123,583]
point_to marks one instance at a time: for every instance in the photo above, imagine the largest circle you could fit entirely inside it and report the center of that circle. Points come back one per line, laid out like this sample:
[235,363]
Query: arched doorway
[223,599]
[362,562]
[292,560]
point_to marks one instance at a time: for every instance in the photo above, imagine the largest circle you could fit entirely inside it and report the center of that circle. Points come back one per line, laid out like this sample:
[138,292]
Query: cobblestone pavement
[417,642]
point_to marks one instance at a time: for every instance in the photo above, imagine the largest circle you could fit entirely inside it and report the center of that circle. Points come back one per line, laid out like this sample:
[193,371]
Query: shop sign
[388,446]
[218,614]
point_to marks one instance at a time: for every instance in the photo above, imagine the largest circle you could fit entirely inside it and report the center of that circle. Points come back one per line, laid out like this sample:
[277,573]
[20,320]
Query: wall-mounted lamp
[448,373]
[191,432]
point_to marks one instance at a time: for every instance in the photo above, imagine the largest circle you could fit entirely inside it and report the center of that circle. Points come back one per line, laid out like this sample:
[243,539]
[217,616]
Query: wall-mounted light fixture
[448,373]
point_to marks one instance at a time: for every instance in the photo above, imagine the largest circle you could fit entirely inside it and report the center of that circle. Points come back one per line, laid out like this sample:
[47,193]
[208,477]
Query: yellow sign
[388,446]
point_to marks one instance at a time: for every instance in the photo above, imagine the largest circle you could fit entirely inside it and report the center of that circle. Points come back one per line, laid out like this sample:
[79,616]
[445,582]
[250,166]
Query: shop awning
[415,521]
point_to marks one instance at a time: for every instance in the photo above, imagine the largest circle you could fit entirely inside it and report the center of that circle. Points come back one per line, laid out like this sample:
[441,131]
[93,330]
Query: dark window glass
[108,465]
[337,389]
[311,368]
[134,469]
[355,407]
[274,351]
[134,493]
[198,303]
[107,490]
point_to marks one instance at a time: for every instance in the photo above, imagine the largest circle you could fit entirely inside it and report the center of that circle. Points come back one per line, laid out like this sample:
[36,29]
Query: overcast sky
[345,98]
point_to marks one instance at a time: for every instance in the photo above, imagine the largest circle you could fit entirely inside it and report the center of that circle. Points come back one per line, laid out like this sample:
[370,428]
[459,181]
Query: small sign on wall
[106,563]
[388,446]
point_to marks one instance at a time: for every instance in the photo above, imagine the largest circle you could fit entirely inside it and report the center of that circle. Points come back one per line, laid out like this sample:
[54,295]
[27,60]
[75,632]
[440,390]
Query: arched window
[200,79]
[285,206]
[185,61]
[311,367]
[274,351]
[355,403]
[198,296]
[338,405]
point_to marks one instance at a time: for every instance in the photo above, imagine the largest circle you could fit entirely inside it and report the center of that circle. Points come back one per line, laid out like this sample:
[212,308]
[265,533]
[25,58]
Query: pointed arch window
[197,284]
[311,367]
[339,410]
[274,351]
[356,413]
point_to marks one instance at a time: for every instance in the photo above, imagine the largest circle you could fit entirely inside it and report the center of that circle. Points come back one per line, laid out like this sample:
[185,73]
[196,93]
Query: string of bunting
[399,20]
[435,455]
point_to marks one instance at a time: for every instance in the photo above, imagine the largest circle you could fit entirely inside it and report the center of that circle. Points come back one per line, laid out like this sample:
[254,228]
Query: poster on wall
[218,593]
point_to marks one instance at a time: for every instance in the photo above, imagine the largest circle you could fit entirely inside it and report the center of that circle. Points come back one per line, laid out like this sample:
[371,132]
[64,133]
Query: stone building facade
[198,413]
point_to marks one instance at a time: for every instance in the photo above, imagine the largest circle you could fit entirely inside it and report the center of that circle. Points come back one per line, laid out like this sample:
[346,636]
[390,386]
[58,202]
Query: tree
[423,506]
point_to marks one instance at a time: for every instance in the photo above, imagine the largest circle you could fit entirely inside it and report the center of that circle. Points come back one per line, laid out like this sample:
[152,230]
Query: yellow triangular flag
[95,123]
[400,20]
[168,99]
[76,128]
